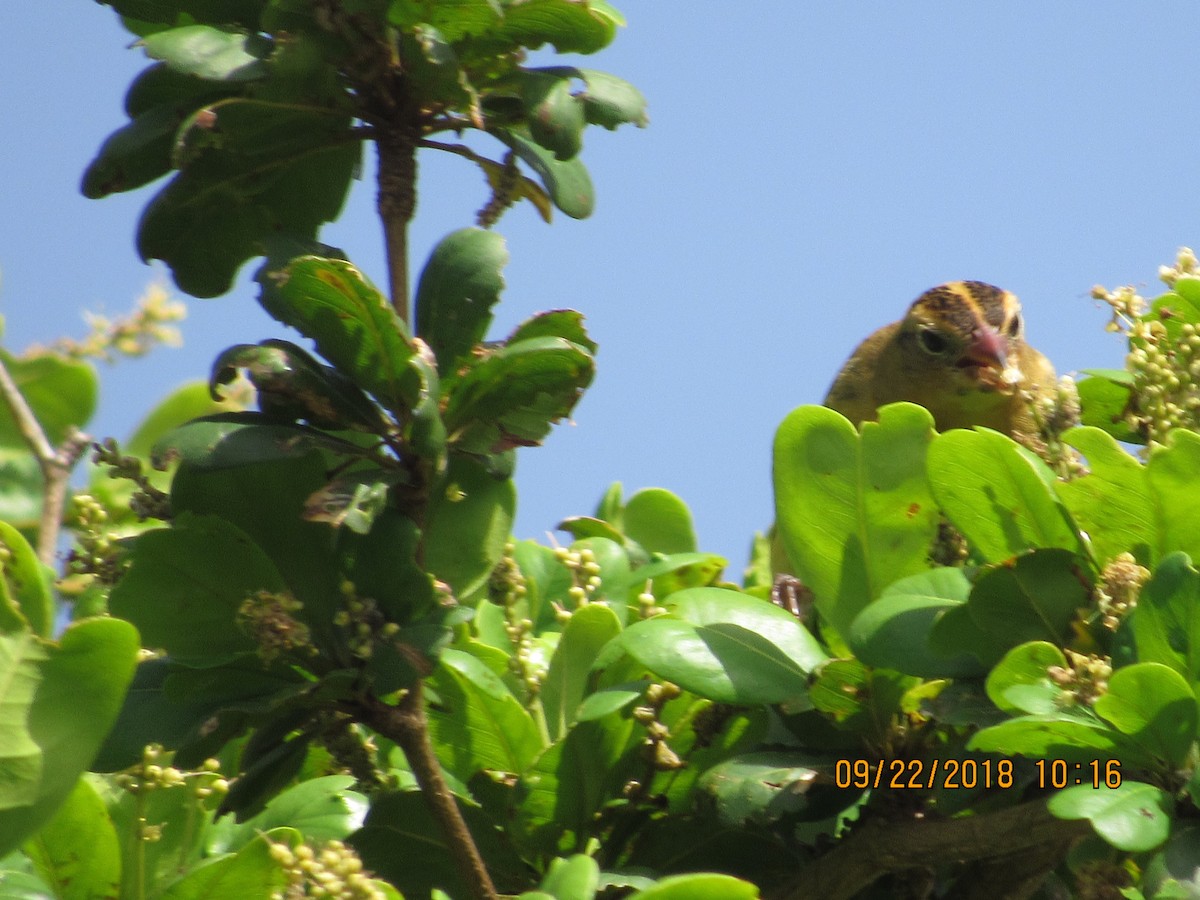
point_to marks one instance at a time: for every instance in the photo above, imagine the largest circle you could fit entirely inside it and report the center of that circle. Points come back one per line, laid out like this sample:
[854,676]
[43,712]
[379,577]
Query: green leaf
[159,102]
[854,512]
[25,587]
[555,115]
[728,647]
[607,100]
[699,886]
[513,396]
[1154,705]
[260,170]
[1166,622]
[1134,817]
[352,324]
[895,631]
[477,724]
[571,27]
[565,684]
[210,53]
[574,878]
[572,780]
[1021,683]
[187,402]
[760,788]
[469,521]
[1069,734]
[458,287]
[179,601]
[251,872]
[456,19]
[1032,598]
[77,852]
[1173,472]
[401,842]
[267,501]
[62,394]
[997,495]
[561,323]
[1104,402]
[660,522]
[322,809]
[1113,503]
[59,702]
[229,440]
[567,181]
[291,385]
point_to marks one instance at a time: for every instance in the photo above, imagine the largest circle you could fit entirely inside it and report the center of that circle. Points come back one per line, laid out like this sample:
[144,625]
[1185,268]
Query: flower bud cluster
[133,335]
[1120,584]
[585,573]
[1185,264]
[1166,379]
[366,625]
[96,551]
[509,588]
[1083,680]
[655,748]
[269,618]
[148,502]
[155,773]
[332,870]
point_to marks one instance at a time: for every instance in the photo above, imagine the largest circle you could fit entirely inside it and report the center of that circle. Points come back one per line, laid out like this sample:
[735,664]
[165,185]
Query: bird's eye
[1015,326]
[932,342]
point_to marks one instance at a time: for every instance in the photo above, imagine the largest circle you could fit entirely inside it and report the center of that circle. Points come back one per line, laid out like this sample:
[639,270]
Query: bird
[960,352]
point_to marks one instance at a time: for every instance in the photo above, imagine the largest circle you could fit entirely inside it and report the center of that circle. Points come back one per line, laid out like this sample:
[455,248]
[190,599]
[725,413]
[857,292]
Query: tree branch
[882,847]
[397,202]
[406,724]
[55,464]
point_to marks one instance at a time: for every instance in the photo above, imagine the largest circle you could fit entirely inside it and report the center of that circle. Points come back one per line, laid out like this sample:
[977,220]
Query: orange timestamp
[969,774]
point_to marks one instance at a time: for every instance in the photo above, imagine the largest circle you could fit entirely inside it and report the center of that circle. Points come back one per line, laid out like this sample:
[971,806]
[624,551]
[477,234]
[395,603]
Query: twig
[56,464]
[406,724]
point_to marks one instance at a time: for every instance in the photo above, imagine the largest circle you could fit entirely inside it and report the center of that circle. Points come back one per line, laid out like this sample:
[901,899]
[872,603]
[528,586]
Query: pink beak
[988,350]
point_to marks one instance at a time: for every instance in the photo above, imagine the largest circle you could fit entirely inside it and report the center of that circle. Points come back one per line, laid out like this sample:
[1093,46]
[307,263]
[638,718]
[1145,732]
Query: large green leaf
[1033,598]
[514,395]
[854,511]
[277,168]
[1104,401]
[352,324]
[1113,503]
[727,646]
[1069,734]
[660,522]
[77,851]
[1134,817]
[565,684]
[477,725]
[1153,704]
[570,26]
[997,494]
[25,595]
[1166,622]
[1021,683]
[458,287]
[210,53]
[895,631]
[469,522]
[179,600]
[1173,472]
[59,701]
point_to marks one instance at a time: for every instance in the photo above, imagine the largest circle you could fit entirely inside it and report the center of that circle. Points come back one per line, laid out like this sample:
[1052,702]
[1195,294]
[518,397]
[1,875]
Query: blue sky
[808,170]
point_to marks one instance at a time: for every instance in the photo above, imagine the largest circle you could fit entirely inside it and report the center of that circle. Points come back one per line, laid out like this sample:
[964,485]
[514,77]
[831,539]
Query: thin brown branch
[55,463]
[406,724]
[884,847]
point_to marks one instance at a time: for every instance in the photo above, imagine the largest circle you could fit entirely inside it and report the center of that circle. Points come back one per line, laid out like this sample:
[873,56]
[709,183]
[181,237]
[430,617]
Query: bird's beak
[987,350]
[987,354]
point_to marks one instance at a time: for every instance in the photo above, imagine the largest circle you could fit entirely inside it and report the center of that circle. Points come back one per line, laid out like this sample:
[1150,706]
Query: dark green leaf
[1104,402]
[607,101]
[353,325]
[259,169]
[1166,622]
[230,440]
[1034,598]
[561,323]
[567,181]
[555,115]
[895,631]
[180,600]
[512,397]
[458,287]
